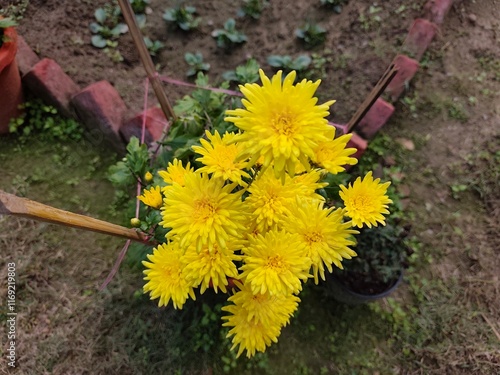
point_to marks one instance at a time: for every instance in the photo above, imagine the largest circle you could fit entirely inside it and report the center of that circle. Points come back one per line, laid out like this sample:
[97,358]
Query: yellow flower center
[313,238]
[276,263]
[204,209]
[282,124]
[225,156]
[361,203]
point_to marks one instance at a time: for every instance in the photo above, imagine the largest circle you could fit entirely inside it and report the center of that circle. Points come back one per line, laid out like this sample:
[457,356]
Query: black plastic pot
[344,294]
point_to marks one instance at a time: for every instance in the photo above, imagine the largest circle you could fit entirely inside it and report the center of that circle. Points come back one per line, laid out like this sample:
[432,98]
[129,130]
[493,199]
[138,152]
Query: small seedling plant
[311,34]
[196,64]
[153,46]
[247,73]
[252,8]
[139,6]
[183,17]
[287,63]
[229,36]
[335,5]
[107,28]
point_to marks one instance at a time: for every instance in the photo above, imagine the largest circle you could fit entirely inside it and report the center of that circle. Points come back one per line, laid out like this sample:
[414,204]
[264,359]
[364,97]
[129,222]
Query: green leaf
[100,15]
[95,27]
[275,61]
[141,20]
[301,62]
[169,15]
[120,175]
[121,28]
[98,41]
[230,24]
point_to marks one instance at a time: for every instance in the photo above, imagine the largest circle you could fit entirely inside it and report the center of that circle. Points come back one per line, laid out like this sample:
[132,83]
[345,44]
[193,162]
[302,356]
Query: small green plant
[153,46]
[457,111]
[196,64]
[44,122]
[252,8]
[411,103]
[229,36]
[456,189]
[287,63]
[312,34]
[183,17]
[5,23]
[15,10]
[107,28]
[139,6]
[247,73]
[370,18]
[335,5]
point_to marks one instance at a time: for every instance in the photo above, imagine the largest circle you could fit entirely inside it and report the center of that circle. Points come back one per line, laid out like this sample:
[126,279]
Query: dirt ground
[451,115]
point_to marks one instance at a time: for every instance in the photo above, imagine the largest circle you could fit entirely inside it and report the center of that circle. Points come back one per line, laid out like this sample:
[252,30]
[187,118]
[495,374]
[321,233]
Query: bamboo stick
[153,77]
[22,207]
[372,97]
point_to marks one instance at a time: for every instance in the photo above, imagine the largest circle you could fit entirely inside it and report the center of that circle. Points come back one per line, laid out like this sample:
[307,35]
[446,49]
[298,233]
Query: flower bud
[148,177]
[135,222]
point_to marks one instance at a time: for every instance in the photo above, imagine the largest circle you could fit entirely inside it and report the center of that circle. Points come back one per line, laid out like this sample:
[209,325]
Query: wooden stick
[137,37]
[372,97]
[22,207]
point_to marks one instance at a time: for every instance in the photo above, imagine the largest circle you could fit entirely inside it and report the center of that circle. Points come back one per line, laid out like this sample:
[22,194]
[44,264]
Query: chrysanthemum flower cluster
[252,212]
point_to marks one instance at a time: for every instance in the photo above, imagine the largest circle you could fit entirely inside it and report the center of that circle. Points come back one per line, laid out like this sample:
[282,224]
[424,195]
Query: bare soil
[451,114]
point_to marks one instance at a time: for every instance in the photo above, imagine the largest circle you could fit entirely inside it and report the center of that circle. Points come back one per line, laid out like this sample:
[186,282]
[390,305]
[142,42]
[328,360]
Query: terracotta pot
[11,93]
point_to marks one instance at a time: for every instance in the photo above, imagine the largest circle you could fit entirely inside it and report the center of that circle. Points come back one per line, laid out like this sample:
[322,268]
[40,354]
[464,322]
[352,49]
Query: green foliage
[229,36]
[14,10]
[381,256]
[196,64]
[183,17]
[287,63]
[247,73]
[44,122]
[153,46]
[5,23]
[139,6]
[107,28]
[253,8]
[203,109]
[457,111]
[370,18]
[312,34]
[134,165]
[335,5]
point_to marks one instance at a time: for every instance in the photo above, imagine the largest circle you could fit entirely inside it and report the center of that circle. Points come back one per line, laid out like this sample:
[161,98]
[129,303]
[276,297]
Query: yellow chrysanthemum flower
[308,183]
[263,307]
[219,157]
[366,201]
[281,122]
[176,173]
[276,262]
[324,234]
[164,276]
[333,155]
[203,212]
[250,334]
[269,198]
[211,268]
[152,197]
